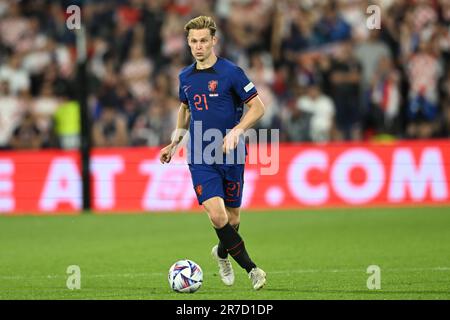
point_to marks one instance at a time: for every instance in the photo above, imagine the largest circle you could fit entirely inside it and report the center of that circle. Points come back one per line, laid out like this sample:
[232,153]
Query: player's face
[201,43]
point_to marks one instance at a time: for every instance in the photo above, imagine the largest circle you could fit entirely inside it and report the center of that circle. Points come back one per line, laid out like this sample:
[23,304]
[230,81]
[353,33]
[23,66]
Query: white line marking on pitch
[157,274]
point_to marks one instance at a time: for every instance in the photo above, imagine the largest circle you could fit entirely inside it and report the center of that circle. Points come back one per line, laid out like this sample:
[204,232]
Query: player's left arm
[252,116]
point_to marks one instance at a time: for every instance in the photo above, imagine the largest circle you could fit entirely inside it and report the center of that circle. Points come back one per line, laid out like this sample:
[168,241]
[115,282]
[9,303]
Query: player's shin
[221,251]
[234,245]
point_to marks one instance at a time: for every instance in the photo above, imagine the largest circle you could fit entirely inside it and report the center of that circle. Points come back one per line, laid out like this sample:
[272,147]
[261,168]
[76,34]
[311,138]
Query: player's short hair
[201,22]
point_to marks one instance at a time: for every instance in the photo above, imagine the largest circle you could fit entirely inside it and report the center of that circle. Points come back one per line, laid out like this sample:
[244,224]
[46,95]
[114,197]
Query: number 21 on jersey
[200,101]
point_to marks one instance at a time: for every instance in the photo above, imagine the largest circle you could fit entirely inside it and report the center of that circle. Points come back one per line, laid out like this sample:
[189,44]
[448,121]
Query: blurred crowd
[323,74]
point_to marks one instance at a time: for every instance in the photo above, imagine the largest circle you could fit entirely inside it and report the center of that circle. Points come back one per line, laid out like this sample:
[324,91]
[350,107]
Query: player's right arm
[183,120]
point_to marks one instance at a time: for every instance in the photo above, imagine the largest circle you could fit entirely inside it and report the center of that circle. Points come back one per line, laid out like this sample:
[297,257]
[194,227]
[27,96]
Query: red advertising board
[292,176]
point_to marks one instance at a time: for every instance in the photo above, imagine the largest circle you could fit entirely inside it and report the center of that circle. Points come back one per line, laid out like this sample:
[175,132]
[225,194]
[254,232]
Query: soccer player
[213,92]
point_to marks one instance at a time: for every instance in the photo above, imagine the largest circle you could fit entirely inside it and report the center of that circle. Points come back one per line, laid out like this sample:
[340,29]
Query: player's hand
[167,152]
[231,140]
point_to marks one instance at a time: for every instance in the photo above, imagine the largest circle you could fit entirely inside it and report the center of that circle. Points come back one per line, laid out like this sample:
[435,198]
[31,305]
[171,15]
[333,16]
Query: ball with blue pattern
[185,276]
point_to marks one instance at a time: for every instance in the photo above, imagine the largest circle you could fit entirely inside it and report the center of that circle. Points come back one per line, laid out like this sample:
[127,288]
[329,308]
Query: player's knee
[218,219]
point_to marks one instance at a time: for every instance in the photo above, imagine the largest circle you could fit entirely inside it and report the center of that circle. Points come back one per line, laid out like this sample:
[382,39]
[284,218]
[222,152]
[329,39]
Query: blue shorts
[218,180]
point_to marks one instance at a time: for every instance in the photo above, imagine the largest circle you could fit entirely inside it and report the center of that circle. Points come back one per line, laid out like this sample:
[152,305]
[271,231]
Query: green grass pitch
[321,254]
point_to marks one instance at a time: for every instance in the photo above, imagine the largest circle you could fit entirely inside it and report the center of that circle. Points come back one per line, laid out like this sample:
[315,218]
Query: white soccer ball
[185,276]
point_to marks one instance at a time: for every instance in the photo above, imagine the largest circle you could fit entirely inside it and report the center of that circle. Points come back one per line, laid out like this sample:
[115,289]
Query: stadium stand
[322,73]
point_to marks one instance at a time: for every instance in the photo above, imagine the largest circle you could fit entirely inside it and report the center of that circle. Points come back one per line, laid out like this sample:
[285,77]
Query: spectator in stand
[262,75]
[17,78]
[43,108]
[136,72]
[127,105]
[66,123]
[344,76]
[369,53]
[10,113]
[27,134]
[148,128]
[298,34]
[321,108]
[153,19]
[173,37]
[296,124]
[110,130]
[424,71]
[384,104]
[280,84]
[13,25]
[332,27]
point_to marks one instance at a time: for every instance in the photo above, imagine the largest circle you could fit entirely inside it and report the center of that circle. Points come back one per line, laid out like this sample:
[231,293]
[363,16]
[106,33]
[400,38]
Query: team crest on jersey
[212,85]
